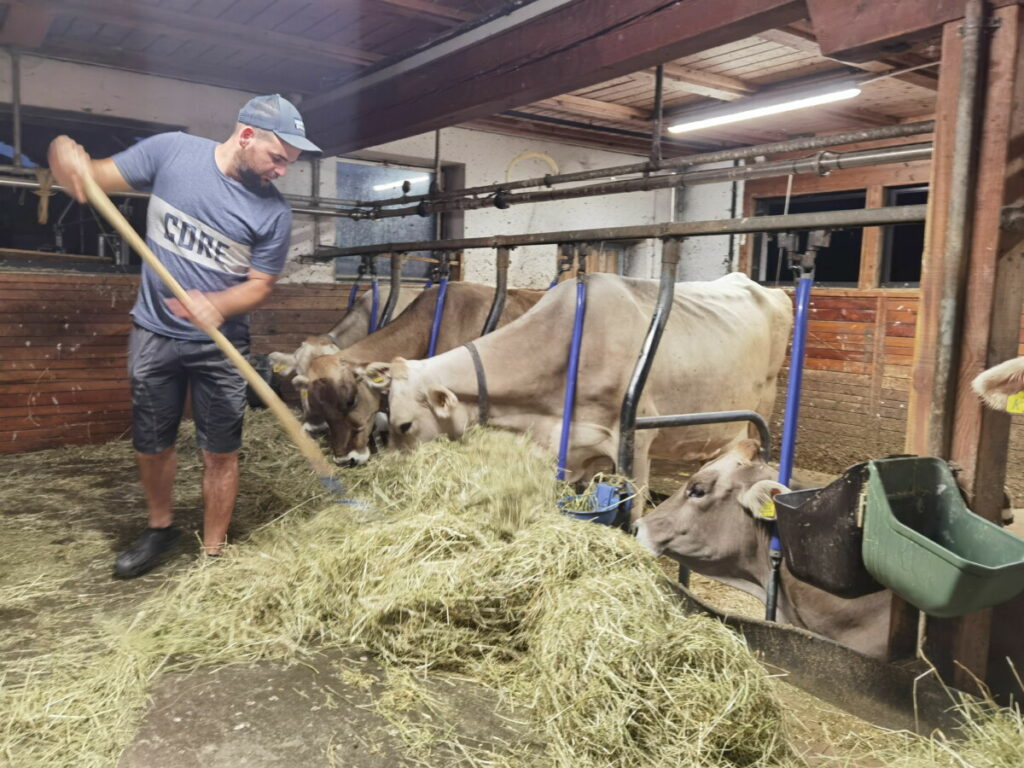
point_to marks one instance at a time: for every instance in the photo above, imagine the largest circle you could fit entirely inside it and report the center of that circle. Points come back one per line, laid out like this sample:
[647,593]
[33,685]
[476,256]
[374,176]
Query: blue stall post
[573,365]
[816,240]
[375,288]
[443,270]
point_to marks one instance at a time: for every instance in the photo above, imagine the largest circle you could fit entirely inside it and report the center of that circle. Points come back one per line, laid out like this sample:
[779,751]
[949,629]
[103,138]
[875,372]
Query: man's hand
[69,163]
[204,313]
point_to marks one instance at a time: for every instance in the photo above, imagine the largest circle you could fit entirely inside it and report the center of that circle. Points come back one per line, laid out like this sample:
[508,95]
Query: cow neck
[406,337]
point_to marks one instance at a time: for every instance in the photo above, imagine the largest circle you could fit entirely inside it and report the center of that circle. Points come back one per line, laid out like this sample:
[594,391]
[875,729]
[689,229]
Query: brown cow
[343,399]
[355,325]
[709,526]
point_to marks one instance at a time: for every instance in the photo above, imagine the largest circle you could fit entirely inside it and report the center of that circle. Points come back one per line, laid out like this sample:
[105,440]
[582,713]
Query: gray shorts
[162,370]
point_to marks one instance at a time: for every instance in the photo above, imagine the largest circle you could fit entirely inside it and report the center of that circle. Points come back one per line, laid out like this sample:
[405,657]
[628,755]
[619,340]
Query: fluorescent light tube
[772,109]
[398,184]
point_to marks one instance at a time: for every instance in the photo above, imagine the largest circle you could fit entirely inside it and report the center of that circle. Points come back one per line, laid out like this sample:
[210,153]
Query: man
[219,226]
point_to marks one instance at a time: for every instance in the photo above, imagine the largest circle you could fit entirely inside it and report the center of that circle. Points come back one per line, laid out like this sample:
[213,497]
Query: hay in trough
[449,559]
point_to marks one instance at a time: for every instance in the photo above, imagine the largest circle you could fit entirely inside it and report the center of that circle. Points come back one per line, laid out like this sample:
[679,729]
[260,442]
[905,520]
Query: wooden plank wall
[63,351]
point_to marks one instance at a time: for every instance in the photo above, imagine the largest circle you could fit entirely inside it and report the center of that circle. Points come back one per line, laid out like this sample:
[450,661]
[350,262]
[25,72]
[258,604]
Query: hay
[454,561]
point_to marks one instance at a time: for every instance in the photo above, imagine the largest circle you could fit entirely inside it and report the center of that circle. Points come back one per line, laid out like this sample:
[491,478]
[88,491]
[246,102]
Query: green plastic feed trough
[922,542]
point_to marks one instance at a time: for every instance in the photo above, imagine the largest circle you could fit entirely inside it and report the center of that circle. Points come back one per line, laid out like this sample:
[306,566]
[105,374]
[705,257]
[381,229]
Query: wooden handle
[290,424]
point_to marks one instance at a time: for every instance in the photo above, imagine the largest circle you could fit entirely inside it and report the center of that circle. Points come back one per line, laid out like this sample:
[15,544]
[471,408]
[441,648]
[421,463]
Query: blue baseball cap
[275,113]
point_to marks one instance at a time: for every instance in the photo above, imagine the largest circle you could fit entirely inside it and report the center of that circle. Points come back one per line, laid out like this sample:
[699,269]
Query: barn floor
[63,516]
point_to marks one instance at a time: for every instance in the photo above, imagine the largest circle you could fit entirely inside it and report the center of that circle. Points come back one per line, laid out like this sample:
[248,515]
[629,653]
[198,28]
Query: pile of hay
[451,558]
[454,559]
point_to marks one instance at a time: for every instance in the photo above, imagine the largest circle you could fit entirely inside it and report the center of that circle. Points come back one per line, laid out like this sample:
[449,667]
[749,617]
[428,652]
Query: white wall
[210,111]
[705,258]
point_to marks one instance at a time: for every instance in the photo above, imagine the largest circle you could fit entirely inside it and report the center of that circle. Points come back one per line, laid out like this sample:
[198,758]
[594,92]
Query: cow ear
[758,498]
[281,363]
[301,382]
[441,401]
[377,375]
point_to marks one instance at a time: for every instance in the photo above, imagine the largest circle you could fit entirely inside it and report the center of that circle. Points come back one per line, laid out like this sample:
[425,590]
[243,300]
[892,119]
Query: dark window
[363,181]
[903,244]
[71,229]
[839,264]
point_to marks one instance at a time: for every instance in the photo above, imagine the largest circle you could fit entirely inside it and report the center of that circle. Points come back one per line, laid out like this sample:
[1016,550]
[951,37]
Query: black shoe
[146,553]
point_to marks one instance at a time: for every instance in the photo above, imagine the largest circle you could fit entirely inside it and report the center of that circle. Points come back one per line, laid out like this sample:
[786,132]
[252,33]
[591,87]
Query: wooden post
[992,308]
[871,244]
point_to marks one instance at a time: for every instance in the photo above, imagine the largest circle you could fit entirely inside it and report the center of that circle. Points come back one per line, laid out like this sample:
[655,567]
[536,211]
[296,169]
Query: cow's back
[722,349]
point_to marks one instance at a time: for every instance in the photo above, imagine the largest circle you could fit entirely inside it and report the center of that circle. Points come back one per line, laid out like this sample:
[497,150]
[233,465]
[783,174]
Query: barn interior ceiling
[368,71]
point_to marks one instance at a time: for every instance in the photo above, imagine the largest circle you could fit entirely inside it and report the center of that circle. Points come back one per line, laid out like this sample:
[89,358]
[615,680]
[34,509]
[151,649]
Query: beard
[248,176]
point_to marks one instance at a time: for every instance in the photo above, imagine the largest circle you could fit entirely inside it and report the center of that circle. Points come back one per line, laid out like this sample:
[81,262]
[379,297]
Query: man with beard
[222,229]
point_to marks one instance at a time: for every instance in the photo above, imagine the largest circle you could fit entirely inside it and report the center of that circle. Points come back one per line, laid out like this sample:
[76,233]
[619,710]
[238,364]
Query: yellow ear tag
[767,511]
[304,396]
[1015,403]
[377,379]
[278,367]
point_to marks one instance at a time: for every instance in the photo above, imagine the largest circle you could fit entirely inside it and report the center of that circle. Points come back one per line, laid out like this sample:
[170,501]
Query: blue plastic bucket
[600,506]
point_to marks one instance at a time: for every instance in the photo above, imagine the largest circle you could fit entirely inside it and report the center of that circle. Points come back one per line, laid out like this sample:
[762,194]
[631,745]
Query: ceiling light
[836,93]
[398,184]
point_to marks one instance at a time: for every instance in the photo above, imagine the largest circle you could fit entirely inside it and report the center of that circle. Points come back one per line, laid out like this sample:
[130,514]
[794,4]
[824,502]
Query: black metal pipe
[500,290]
[820,164]
[737,153]
[631,401]
[396,287]
[712,417]
[960,213]
[857,217]
[16,105]
[659,82]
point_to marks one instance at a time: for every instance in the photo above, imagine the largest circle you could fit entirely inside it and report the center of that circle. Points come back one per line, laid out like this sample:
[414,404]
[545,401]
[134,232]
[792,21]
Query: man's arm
[211,309]
[69,162]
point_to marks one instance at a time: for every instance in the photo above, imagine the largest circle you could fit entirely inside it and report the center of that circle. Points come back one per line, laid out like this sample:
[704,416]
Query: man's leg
[158,396]
[218,407]
[157,471]
[220,489]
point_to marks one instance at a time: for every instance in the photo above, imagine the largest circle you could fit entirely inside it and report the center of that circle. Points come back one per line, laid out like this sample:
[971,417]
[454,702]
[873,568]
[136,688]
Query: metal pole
[712,417]
[659,82]
[314,182]
[396,287]
[958,233]
[820,164]
[627,416]
[737,153]
[500,290]
[858,217]
[16,105]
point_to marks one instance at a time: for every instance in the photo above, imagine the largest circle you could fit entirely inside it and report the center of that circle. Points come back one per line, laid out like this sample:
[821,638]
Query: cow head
[419,410]
[712,524]
[338,397]
[296,364]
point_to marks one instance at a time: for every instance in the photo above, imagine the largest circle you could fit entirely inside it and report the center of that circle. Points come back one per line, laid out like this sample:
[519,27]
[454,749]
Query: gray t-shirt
[206,228]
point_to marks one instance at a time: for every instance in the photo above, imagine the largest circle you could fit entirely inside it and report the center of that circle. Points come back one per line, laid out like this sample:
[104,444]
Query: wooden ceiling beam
[719,87]
[25,26]
[73,49]
[421,9]
[576,45]
[803,41]
[160,20]
[602,110]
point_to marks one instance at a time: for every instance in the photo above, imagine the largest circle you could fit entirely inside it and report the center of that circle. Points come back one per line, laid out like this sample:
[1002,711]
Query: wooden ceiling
[309,48]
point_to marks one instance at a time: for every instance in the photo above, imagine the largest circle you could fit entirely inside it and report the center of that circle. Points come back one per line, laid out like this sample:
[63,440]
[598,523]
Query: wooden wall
[63,351]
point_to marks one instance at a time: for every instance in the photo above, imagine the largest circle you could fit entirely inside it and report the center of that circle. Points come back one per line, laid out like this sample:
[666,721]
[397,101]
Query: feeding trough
[823,536]
[921,541]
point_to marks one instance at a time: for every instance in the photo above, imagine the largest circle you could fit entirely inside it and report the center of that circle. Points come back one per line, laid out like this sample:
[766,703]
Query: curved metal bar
[713,417]
[435,329]
[500,291]
[627,417]
[396,288]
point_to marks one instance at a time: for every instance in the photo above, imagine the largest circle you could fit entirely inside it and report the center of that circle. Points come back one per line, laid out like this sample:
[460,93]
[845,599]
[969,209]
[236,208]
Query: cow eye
[351,402]
[695,492]
[404,428]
